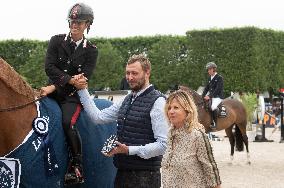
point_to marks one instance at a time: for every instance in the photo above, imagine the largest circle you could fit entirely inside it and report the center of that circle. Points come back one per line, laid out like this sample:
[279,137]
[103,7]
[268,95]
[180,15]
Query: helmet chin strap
[89,26]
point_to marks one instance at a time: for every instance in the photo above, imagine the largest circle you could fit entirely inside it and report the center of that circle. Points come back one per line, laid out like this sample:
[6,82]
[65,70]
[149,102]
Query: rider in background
[213,91]
[69,55]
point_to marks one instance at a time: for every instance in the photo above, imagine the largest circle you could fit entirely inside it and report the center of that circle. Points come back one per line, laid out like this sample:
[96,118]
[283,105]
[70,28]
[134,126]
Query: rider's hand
[79,76]
[47,90]
[81,83]
[206,97]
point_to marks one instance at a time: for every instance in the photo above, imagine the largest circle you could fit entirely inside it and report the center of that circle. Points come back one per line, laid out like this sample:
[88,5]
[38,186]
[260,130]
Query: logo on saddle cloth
[10,172]
[40,126]
[222,113]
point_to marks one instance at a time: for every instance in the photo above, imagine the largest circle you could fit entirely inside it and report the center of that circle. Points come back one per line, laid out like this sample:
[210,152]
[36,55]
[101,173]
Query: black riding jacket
[215,87]
[61,65]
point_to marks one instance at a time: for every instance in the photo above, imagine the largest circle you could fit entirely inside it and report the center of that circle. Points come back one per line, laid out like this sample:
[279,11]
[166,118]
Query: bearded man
[142,127]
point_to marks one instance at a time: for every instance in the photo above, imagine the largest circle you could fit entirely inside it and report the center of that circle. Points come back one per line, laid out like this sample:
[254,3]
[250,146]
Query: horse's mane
[196,97]
[14,81]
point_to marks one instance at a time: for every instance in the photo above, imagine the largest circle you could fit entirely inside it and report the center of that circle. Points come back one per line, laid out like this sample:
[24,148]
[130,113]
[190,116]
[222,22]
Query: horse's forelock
[14,81]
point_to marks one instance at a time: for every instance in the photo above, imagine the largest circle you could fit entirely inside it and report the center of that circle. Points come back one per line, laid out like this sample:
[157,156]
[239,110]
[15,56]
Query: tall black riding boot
[214,119]
[75,170]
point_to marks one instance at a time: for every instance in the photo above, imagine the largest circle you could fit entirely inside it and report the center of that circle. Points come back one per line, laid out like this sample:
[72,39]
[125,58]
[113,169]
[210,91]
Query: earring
[186,125]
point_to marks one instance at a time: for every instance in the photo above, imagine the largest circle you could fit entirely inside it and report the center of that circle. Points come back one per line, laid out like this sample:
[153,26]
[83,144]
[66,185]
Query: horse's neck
[196,97]
[15,124]
[204,115]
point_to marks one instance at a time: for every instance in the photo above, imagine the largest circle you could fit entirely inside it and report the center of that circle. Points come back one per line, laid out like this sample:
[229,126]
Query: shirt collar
[78,42]
[141,91]
[213,75]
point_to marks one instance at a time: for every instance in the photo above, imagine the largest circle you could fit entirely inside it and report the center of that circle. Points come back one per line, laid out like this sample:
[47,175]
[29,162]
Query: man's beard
[140,84]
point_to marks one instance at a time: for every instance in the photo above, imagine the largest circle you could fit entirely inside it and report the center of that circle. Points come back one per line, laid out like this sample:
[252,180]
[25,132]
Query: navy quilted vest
[135,128]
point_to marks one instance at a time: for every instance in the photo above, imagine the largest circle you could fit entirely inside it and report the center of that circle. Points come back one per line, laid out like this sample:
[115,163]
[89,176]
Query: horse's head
[196,97]
[11,79]
[15,123]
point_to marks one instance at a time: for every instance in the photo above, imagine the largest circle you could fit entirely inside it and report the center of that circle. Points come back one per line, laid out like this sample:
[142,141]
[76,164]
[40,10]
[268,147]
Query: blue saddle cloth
[99,170]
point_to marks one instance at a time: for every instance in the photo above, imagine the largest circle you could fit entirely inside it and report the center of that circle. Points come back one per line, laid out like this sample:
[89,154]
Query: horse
[236,117]
[33,151]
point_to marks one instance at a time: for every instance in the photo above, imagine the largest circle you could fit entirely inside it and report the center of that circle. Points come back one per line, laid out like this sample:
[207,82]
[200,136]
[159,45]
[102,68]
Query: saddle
[221,108]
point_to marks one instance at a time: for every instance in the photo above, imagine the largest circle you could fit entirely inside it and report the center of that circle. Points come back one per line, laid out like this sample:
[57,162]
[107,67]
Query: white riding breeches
[215,103]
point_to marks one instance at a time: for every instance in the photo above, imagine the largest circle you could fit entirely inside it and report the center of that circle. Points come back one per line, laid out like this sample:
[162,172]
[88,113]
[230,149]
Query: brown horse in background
[14,124]
[236,115]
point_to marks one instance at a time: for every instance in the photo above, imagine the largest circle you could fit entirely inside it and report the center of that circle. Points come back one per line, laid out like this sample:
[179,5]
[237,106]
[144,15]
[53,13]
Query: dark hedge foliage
[249,59]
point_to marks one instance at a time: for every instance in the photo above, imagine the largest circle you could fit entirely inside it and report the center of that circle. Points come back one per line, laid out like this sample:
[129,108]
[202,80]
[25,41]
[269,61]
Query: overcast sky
[40,19]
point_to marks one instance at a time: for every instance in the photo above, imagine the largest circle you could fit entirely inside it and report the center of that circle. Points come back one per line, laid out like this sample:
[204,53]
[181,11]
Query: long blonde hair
[189,106]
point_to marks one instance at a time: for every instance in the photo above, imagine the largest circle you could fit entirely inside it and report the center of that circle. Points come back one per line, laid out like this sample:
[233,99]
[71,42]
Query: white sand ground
[267,163]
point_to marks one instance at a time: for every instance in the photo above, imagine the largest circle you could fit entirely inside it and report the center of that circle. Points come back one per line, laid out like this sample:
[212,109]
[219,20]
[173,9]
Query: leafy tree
[250,102]
[33,69]
[109,70]
[17,53]
[168,59]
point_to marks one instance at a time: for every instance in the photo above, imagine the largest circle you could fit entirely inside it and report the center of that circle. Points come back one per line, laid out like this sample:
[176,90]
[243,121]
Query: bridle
[12,108]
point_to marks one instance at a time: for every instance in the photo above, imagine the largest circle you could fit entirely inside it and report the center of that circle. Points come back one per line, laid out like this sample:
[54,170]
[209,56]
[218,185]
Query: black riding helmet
[81,12]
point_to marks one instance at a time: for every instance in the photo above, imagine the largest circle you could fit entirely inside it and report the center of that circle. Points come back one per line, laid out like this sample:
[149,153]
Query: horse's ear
[182,88]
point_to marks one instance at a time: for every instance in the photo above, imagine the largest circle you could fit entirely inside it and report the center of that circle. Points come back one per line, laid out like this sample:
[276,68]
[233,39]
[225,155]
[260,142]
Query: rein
[20,106]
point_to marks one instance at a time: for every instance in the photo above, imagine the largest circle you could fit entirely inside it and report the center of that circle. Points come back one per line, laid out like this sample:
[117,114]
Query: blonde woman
[188,161]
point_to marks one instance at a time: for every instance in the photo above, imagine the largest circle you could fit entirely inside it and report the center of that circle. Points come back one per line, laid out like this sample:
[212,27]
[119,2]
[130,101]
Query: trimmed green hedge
[250,59]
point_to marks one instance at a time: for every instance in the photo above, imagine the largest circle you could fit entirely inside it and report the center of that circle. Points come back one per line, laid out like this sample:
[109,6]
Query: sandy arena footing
[267,163]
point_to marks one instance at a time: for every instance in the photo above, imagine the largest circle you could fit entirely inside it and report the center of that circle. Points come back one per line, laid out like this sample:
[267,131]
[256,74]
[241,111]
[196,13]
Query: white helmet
[210,65]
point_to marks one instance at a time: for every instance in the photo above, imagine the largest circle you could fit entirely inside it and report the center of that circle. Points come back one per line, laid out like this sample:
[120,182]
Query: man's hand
[207,97]
[120,148]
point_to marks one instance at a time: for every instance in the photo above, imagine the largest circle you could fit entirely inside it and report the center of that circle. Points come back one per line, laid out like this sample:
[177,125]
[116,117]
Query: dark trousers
[137,179]
[70,114]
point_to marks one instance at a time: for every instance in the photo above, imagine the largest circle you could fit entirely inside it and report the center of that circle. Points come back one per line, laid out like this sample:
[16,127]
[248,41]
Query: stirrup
[213,126]
[74,177]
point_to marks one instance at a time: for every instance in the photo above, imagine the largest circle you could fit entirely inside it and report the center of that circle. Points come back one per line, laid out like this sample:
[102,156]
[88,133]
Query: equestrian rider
[213,91]
[69,55]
